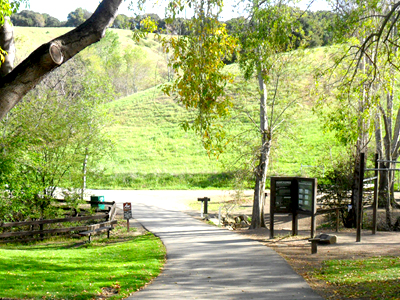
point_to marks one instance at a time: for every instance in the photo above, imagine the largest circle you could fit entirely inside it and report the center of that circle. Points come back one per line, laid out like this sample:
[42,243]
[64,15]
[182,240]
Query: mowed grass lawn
[372,278]
[110,268]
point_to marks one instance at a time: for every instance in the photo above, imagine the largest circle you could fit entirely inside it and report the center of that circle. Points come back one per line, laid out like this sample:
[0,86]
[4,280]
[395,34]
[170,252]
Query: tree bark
[7,44]
[260,171]
[16,84]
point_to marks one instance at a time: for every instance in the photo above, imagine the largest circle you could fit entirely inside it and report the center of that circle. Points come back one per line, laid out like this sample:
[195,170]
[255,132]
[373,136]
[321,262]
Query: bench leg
[90,238]
[314,247]
[108,234]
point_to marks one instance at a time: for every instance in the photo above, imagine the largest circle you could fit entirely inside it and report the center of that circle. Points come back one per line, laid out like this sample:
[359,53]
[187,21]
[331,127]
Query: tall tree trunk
[262,168]
[49,56]
[361,146]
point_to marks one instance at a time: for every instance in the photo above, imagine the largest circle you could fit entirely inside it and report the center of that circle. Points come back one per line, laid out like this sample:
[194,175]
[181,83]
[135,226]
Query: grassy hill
[28,39]
[153,152]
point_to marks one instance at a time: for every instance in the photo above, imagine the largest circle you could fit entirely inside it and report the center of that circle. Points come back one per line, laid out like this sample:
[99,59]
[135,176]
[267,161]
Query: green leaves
[7,8]
[199,85]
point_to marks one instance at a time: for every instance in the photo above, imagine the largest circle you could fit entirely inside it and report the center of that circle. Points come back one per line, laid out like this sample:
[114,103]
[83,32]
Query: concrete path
[204,262]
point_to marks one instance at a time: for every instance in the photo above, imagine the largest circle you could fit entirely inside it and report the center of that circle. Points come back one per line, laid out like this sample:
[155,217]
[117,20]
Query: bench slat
[95,230]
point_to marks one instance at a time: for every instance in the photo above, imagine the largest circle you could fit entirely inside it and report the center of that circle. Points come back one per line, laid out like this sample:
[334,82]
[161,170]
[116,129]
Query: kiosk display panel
[283,196]
[306,195]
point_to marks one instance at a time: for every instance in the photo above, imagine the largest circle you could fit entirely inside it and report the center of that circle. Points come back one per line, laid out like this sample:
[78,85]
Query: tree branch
[15,85]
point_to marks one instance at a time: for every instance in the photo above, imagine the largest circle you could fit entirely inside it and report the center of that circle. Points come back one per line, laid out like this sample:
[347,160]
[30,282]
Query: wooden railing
[104,215]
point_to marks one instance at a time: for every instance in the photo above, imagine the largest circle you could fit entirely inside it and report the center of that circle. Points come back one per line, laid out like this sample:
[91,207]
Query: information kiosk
[293,195]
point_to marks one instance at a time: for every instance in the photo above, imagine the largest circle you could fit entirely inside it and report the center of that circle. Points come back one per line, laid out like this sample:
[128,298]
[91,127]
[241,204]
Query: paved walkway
[205,262]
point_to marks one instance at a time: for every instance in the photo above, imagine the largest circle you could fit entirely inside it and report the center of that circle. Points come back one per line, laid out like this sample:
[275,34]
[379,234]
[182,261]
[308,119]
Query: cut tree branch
[15,85]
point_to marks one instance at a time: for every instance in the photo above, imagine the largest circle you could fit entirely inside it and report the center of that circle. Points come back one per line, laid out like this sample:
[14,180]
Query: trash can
[97,205]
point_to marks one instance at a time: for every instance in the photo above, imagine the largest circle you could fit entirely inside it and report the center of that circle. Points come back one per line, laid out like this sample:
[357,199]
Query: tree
[77,17]
[348,110]
[28,18]
[51,55]
[122,22]
[199,85]
[371,65]
[51,21]
[268,34]
[53,135]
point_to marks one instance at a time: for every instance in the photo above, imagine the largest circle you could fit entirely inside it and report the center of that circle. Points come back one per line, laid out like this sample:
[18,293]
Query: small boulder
[326,238]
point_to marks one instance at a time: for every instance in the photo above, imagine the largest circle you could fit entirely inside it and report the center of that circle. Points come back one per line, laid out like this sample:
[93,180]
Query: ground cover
[72,269]
[372,278]
[152,151]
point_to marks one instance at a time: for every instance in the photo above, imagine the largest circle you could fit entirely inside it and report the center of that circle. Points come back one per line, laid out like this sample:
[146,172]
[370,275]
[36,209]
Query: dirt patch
[297,251]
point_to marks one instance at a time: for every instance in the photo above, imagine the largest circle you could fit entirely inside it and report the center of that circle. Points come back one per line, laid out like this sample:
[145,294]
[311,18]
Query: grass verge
[373,278]
[110,268]
[166,181]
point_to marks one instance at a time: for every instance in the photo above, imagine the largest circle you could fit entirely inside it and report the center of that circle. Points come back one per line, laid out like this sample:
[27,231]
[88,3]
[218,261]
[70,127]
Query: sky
[61,9]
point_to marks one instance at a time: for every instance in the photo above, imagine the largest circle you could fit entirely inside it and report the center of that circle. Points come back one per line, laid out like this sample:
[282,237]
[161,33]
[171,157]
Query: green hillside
[153,152]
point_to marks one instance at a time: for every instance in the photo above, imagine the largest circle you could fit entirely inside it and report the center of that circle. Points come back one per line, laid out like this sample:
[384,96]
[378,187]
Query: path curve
[205,262]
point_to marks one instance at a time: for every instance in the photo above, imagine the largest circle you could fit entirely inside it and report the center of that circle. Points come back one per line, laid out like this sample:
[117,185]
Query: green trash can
[99,199]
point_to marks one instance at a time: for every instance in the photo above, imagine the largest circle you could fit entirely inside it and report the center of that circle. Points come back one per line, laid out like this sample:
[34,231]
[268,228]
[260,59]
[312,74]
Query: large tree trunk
[49,56]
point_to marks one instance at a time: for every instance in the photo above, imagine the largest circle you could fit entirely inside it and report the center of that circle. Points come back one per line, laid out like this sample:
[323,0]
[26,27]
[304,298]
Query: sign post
[204,202]
[127,213]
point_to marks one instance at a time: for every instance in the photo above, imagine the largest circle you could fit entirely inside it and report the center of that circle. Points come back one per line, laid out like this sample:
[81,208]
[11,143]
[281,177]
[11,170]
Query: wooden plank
[326,210]
[96,230]
[21,241]
[99,202]
[104,224]
[113,211]
[48,231]
[38,222]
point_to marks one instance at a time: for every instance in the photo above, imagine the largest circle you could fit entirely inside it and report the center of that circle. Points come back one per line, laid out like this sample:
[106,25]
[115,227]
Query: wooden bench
[97,228]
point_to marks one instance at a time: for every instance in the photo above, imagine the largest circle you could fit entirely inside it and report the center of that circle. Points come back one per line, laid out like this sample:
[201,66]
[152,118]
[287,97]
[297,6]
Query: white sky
[61,9]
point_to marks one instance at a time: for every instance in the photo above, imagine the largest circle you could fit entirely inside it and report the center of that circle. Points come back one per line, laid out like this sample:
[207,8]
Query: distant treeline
[316,25]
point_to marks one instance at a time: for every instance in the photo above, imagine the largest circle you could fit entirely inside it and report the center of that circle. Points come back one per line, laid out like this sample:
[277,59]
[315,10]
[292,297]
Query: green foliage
[200,81]
[273,29]
[65,271]
[32,19]
[7,8]
[77,17]
[130,69]
[318,28]
[47,138]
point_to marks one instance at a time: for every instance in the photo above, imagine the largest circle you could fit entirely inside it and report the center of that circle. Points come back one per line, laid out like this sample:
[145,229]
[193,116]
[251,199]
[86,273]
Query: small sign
[127,210]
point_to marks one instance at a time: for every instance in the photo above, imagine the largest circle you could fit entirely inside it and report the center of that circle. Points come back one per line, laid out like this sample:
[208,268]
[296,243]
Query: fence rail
[107,215]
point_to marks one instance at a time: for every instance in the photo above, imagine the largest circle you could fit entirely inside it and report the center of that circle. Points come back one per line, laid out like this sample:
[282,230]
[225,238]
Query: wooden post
[295,227]
[313,225]
[337,219]
[314,246]
[314,211]
[360,197]
[127,225]
[375,204]
[272,208]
